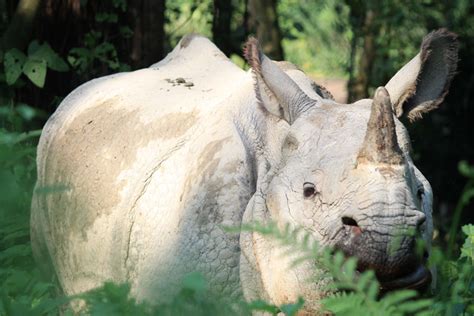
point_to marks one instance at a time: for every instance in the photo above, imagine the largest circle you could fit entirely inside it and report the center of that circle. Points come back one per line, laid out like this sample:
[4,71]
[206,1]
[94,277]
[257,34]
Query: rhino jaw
[419,279]
[401,270]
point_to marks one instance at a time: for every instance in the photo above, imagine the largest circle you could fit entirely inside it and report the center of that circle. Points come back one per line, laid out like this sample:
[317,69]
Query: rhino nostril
[349,221]
[350,224]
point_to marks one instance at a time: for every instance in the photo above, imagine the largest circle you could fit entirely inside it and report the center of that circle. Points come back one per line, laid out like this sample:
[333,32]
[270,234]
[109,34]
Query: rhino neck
[262,136]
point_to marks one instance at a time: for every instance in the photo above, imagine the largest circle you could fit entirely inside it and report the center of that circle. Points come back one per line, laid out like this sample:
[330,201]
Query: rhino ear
[421,85]
[275,90]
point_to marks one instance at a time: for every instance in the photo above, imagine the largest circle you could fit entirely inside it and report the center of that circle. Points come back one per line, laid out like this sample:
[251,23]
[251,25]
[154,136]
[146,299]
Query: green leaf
[56,63]
[349,268]
[365,279]
[46,53]
[14,138]
[348,285]
[398,297]
[292,309]
[15,251]
[120,4]
[259,305]
[41,288]
[125,32]
[415,306]
[467,250]
[13,63]
[35,70]
[449,269]
[338,260]
[16,235]
[344,304]
[106,17]
[33,47]
[48,306]
[465,169]
[373,290]
[27,112]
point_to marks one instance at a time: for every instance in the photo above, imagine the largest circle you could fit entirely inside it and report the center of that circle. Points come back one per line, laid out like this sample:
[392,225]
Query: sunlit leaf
[35,70]
[365,279]
[349,268]
[415,306]
[399,297]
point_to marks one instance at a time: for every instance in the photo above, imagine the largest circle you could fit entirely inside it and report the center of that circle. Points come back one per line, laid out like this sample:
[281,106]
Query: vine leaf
[46,53]
[35,70]
[13,63]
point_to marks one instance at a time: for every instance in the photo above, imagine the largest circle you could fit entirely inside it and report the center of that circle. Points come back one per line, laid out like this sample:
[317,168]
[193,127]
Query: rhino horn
[380,142]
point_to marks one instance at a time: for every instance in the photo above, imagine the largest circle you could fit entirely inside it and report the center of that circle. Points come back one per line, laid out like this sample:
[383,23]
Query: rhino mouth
[402,269]
[419,279]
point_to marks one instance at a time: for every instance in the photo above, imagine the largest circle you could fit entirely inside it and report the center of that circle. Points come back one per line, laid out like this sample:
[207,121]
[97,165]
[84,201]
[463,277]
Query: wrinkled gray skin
[148,172]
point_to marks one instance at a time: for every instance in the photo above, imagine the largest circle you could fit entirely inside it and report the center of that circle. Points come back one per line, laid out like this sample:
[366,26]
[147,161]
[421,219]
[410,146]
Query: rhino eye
[291,143]
[309,189]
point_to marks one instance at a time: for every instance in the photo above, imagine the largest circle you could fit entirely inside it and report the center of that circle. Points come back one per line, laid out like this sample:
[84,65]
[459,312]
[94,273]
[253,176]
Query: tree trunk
[147,19]
[263,21]
[351,66]
[221,30]
[358,87]
[18,33]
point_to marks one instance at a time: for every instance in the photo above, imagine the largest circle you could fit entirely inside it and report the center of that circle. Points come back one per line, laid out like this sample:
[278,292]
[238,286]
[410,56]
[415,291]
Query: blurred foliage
[358,293]
[97,50]
[23,290]
[34,66]
[184,17]
[316,35]
[194,298]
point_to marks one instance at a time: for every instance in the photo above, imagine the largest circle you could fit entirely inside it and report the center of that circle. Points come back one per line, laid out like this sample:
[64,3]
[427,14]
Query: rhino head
[344,173]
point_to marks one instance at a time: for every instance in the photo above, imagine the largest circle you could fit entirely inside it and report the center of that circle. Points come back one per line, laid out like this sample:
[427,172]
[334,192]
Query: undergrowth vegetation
[354,293]
[25,290]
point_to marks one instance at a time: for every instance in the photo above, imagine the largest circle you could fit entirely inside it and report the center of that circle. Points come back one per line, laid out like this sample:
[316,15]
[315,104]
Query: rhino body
[147,170]
[139,172]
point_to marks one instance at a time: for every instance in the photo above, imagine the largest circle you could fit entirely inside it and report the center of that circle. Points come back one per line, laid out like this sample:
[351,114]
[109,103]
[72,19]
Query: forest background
[49,47]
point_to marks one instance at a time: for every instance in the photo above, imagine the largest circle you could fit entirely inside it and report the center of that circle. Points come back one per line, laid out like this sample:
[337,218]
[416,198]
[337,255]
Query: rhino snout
[386,244]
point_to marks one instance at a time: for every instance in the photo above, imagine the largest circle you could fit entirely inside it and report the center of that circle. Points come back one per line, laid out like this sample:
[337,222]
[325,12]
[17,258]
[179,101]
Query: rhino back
[136,175]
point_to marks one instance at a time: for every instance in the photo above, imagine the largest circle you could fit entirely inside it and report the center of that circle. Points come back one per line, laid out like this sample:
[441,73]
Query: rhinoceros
[140,172]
